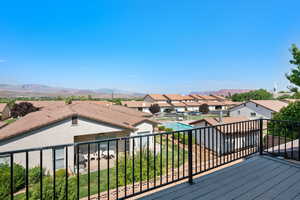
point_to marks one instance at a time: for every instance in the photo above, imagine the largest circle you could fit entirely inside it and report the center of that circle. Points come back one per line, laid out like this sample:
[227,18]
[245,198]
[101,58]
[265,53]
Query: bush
[60,192]
[161,128]
[289,129]
[34,174]
[154,108]
[183,138]
[19,179]
[137,165]
[168,129]
[22,109]
[204,108]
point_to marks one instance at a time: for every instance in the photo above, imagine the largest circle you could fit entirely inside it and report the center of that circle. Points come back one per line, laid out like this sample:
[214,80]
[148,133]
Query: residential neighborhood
[150,100]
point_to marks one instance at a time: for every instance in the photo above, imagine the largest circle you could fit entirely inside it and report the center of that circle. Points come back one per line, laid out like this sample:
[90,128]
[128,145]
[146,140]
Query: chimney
[221,116]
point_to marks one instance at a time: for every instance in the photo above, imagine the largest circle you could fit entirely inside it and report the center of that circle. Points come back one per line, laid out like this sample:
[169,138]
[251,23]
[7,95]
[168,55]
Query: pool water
[177,126]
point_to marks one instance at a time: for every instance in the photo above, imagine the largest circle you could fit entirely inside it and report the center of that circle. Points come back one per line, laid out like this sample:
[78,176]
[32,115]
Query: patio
[259,177]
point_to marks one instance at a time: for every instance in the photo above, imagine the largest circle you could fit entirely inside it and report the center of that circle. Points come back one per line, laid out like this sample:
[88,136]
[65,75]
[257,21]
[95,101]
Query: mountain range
[37,90]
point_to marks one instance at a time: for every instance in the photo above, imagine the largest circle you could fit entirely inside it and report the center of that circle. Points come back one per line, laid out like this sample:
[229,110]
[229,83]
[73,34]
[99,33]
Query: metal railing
[120,168]
[282,138]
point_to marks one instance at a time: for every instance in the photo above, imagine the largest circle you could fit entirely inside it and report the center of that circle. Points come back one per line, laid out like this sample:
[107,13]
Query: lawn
[144,166]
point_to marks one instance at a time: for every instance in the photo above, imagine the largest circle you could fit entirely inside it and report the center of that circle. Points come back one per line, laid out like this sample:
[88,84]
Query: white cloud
[2,61]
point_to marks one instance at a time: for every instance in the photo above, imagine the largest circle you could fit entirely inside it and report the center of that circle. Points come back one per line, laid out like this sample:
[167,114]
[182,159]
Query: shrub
[183,138]
[161,128]
[168,129]
[288,129]
[34,174]
[60,192]
[19,179]
[154,108]
[137,166]
[68,101]
[22,109]
[204,108]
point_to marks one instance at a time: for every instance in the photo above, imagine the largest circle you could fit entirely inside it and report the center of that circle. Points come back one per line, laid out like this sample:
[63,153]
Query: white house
[192,106]
[142,106]
[255,109]
[68,124]
[223,139]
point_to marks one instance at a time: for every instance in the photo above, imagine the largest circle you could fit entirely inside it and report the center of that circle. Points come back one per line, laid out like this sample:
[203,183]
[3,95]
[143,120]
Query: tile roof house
[226,130]
[76,122]
[257,108]
[155,98]
[142,106]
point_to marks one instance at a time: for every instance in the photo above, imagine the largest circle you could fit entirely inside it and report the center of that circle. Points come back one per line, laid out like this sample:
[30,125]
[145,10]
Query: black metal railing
[120,168]
[282,138]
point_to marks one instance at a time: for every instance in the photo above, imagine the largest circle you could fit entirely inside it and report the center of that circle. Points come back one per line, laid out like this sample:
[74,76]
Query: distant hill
[37,90]
[223,92]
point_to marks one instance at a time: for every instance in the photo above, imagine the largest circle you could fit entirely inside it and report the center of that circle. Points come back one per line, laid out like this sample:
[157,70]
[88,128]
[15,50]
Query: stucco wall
[56,134]
[193,108]
[220,143]
[143,127]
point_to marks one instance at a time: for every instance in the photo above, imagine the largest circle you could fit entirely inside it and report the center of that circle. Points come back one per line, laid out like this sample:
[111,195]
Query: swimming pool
[177,126]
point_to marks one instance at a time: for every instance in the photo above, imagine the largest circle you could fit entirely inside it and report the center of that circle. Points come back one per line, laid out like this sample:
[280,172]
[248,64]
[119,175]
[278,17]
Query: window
[74,120]
[59,158]
[239,112]
[140,109]
[253,114]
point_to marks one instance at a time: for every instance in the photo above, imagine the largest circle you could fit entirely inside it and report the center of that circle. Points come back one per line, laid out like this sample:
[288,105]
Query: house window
[59,158]
[239,112]
[253,114]
[140,109]
[74,120]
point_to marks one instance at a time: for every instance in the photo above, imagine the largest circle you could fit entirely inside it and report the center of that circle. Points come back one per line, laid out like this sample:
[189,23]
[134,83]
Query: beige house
[4,111]
[255,109]
[142,106]
[229,138]
[67,124]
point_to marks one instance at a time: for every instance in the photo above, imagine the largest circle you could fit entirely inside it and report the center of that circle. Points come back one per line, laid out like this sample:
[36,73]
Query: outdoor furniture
[108,154]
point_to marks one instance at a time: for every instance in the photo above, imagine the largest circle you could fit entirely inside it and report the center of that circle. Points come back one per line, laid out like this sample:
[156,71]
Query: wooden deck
[260,177]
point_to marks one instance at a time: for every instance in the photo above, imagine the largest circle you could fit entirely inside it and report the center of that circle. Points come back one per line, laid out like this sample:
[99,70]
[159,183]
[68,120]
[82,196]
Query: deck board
[259,177]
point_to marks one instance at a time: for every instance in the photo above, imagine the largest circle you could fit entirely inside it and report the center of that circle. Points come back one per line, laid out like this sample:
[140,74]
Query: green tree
[294,75]
[154,108]
[290,114]
[204,108]
[260,94]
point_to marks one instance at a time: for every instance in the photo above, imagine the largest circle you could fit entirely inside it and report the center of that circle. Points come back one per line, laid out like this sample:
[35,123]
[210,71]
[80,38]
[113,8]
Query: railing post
[261,136]
[190,156]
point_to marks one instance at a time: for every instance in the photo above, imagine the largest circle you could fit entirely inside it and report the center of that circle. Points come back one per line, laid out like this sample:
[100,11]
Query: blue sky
[148,46]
